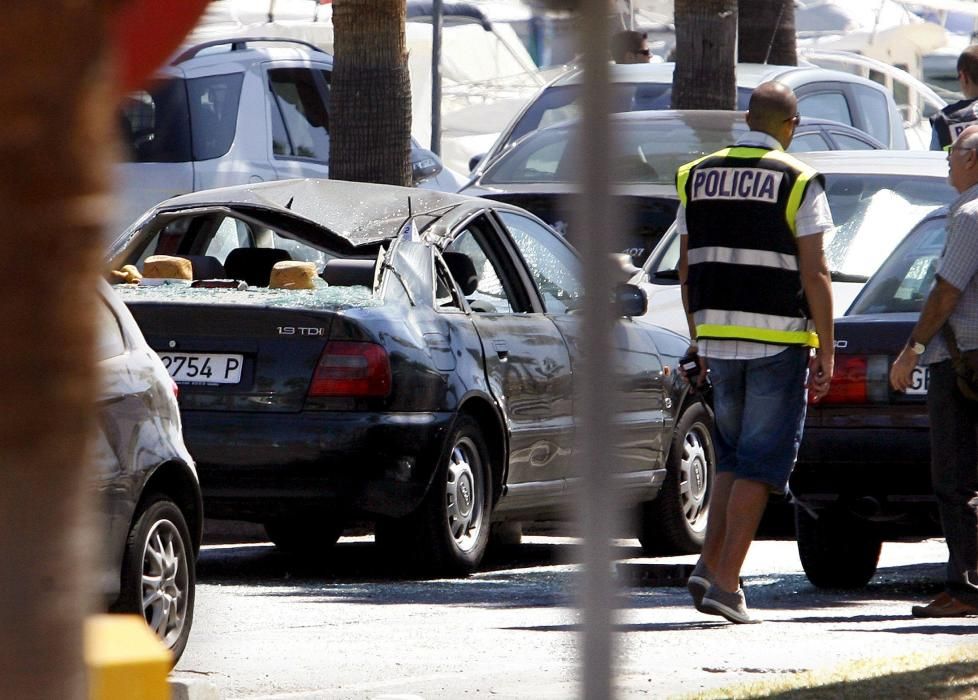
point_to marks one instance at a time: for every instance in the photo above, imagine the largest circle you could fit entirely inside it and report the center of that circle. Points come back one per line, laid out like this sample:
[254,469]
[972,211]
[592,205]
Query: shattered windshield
[873,213]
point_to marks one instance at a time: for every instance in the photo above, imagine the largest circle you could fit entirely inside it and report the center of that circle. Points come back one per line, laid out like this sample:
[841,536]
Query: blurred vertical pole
[55,150]
[595,406]
[436,23]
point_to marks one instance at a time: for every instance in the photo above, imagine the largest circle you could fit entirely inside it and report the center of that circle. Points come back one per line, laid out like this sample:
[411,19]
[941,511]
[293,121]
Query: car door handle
[502,348]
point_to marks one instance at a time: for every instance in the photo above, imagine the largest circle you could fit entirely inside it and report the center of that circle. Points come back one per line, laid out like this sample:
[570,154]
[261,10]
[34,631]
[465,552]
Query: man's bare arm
[817,283]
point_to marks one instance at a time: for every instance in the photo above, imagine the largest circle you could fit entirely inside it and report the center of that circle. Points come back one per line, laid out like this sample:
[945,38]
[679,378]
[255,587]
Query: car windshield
[873,213]
[561,102]
[904,280]
[647,152]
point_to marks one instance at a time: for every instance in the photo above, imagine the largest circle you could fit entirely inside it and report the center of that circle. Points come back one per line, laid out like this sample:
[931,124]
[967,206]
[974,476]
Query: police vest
[953,119]
[743,279]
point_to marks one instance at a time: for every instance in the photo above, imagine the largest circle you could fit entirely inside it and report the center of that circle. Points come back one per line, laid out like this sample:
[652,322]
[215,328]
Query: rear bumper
[880,474]
[259,467]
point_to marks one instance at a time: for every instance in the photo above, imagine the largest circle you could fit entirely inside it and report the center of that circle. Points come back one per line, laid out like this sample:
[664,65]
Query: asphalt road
[269,627]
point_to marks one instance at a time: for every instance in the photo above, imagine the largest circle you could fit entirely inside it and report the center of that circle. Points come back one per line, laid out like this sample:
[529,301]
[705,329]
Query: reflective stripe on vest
[763,328]
[743,256]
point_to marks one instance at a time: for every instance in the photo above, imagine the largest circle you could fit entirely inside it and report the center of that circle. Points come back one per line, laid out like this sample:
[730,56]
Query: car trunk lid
[239,356]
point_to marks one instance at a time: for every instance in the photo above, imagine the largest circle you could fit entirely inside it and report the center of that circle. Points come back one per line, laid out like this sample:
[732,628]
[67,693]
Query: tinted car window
[875,109]
[646,153]
[302,111]
[826,105]
[809,142]
[848,142]
[177,120]
[904,280]
[559,103]
[155,124]
[213,113]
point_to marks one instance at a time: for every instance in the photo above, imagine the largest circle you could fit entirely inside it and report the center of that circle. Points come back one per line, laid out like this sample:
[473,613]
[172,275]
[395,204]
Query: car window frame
[323,91]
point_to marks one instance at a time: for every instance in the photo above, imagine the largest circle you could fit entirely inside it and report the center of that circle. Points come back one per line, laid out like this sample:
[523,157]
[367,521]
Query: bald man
[758,300]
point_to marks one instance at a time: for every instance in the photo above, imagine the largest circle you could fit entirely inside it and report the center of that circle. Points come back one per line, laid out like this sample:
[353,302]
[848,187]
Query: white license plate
[204,368]
[918,381]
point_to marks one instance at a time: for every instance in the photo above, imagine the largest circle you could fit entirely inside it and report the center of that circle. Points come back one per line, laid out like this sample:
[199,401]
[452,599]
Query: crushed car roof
[360,212]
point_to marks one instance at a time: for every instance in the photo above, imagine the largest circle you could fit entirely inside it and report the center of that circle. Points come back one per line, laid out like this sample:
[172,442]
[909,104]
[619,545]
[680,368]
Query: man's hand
[820,373]
[902,369]
[699,373]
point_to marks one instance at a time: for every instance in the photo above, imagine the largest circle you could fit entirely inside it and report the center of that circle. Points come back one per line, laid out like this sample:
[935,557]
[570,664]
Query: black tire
[159,574]
[675,522]
[305,535]
[449,532]
[837,550]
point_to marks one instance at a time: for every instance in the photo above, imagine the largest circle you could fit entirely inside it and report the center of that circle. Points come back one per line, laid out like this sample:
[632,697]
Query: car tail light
[348,368]
[858,379]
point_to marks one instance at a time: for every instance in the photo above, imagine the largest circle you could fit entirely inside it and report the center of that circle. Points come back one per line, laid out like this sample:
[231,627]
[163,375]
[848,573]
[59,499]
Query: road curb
[193,689]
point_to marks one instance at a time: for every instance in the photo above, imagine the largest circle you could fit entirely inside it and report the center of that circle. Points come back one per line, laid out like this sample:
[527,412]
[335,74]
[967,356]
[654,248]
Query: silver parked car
[822,93]
[149,497]
[232,112]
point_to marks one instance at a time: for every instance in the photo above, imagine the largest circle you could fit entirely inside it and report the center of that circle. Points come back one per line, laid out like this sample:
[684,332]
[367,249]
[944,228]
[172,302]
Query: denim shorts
[760,413]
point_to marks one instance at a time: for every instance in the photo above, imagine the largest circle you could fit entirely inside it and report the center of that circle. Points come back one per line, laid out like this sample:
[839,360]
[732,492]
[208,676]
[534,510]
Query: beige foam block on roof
[292,274]
[167,267]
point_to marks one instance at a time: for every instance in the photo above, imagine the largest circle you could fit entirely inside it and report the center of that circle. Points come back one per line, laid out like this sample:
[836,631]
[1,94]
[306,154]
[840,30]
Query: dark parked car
[150,500]
[539,173]
[424,382]
[863,474]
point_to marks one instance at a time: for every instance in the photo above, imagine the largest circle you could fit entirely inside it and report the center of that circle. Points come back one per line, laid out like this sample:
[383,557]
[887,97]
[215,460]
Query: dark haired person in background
[948,124]
[630,47]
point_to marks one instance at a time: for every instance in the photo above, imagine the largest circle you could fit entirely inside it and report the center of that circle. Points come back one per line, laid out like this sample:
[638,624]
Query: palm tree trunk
[706,32]
[56,106]
[767,32]
[370,119]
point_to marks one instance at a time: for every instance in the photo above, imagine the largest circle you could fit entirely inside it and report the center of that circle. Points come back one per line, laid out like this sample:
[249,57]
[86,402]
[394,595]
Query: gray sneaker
[729,605]
[698,583]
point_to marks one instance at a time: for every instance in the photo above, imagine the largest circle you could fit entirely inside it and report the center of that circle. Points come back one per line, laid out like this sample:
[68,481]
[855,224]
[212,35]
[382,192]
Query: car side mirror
[424,164]
[475,160]
[630,300]
[665,277]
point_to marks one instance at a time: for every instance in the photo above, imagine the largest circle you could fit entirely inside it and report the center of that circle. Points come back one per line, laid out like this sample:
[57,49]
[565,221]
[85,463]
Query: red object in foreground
[146,32]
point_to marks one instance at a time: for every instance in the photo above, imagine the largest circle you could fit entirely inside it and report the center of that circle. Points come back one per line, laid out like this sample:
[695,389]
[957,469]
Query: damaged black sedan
[350,352]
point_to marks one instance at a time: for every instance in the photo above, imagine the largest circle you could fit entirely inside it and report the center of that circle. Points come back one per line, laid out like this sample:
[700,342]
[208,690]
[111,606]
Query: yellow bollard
[125,660]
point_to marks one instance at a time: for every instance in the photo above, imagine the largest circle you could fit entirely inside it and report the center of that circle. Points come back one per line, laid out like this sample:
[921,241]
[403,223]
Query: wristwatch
[915,347]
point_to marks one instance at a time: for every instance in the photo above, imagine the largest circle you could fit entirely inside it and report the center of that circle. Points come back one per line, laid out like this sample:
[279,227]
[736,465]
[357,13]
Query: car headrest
[205,267]
[349,272]
[463,270]
[253,265]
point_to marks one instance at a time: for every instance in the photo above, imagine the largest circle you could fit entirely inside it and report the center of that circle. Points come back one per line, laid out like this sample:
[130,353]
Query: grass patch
[949,674]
